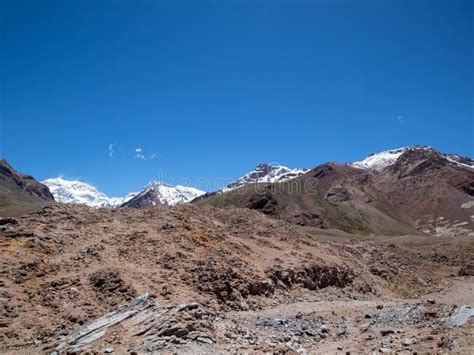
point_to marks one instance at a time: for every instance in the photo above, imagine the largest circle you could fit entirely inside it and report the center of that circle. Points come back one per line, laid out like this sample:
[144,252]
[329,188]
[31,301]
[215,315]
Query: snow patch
[468,204]
[459,160]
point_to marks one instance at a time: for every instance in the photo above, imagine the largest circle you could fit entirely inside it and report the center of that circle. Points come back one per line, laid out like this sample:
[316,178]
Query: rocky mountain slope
[17,188]
[158,193]
[87,261]
[331,196]
[393,192]
[206,280]
[74,191]
[434,190]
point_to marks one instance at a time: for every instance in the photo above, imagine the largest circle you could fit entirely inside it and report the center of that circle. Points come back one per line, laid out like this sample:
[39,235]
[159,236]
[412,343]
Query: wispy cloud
[400,119]
[140,154]
[112,149]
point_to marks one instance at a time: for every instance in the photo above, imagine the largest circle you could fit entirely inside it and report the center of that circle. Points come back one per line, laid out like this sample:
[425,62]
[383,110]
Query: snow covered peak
[173,195]
[158,193]
[74,191]
[379,161]
[266,173]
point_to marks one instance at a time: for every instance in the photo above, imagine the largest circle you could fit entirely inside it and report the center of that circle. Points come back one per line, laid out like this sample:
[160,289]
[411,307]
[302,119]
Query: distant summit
[266,173]
[158,193]
[155,193]
[74,191]
[379,161]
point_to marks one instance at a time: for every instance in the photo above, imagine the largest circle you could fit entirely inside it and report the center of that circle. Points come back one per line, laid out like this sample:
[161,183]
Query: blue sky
[208,89]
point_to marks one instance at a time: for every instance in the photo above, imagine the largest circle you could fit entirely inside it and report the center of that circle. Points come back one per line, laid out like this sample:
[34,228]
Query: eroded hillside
[201,279]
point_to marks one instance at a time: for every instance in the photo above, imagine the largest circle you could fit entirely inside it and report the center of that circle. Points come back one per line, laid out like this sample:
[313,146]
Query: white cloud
[401,119]
[112,149]
[139,154]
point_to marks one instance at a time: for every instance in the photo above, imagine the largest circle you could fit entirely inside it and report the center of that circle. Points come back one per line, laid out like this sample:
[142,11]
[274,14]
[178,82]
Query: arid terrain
[340,258]
[236,177]
[204,279]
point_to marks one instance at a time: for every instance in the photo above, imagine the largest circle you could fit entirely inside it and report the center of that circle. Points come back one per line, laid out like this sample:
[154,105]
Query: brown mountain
[421,190]
[435,192]
[19,189]
[332,195]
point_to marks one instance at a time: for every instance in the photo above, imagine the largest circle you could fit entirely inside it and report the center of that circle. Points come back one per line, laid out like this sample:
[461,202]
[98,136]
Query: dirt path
[360,325]
[459,293]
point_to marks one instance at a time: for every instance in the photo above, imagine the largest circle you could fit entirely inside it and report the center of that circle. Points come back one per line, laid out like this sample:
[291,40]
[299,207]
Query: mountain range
[132,280]
[159,193]
[74,191]
[391,235]
[400,191]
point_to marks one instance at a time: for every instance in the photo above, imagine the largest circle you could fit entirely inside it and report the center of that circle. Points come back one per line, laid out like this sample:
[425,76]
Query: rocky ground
[202,279]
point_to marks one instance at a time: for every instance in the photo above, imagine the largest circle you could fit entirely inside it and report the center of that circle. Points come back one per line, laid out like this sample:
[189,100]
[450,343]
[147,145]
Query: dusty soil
[224,280]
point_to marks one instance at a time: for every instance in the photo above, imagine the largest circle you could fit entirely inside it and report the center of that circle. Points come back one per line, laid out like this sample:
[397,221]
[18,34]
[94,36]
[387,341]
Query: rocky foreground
[196,279]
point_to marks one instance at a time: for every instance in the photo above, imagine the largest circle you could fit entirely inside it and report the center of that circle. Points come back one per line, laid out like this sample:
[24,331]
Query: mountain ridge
[393,192]
[74,191]
[380,160]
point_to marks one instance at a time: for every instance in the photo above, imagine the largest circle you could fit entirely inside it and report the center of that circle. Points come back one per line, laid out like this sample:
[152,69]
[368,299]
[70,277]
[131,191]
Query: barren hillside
[194,278]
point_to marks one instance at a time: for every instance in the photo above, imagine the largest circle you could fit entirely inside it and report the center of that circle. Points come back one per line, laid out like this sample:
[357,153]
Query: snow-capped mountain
[158,193]
[74,191]
[379,161]
[266,173]
[263,173]
[155,193]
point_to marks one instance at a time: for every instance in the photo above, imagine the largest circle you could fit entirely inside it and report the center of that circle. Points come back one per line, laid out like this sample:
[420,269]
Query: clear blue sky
[212,88]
